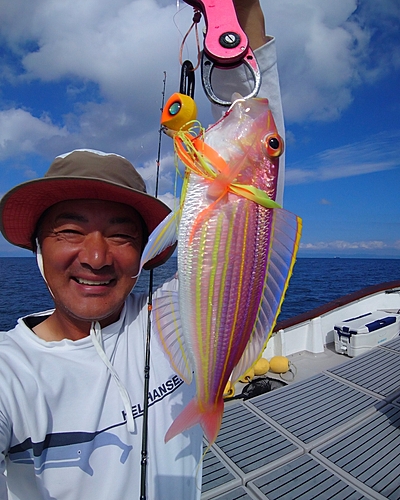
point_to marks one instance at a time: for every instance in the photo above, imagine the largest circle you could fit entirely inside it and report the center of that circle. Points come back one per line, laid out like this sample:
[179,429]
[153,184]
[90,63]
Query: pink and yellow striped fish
[236,251]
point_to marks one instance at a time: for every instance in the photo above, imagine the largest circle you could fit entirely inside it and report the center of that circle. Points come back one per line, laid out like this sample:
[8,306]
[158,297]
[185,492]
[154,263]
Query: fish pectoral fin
[167,323]
[163,236]
[285,239]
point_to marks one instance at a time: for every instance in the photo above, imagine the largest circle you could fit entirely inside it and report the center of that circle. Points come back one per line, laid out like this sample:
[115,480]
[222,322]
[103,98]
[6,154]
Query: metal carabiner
[226,45]
[187,82]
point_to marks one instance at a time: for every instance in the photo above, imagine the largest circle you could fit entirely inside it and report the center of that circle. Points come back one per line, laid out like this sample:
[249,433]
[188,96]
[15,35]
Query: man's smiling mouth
[92,283]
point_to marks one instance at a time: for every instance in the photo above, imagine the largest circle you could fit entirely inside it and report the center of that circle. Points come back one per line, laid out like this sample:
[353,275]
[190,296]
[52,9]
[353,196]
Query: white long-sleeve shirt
[62,421]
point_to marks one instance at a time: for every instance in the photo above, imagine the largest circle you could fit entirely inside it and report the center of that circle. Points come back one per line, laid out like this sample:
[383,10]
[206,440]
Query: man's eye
[69,234]
[123,237]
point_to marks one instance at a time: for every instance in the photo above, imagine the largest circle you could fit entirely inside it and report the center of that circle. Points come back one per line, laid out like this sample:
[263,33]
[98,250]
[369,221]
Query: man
[72,379]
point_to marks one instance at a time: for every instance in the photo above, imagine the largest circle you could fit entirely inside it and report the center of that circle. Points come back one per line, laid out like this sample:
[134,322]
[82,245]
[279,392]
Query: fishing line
[144,451]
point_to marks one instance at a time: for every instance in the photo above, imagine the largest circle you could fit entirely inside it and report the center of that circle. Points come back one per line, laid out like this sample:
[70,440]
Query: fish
[236,252]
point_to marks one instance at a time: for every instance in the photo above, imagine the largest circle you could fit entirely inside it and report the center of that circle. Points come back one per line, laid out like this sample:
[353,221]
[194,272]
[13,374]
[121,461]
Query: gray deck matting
[217,476]
[377,371]
[302,479]
[240,493]
[241,428]
[314,408]
[393,344]
[370,453]
[266,436]
[396,401]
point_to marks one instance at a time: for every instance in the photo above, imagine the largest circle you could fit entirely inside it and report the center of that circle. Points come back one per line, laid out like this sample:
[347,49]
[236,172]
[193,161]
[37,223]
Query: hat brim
[21,208]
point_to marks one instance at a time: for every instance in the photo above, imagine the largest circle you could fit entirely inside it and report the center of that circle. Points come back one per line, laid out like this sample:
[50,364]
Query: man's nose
[95,251]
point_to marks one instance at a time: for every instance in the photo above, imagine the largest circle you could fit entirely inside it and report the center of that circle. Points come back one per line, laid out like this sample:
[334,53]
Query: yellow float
[279,364]
[261,367]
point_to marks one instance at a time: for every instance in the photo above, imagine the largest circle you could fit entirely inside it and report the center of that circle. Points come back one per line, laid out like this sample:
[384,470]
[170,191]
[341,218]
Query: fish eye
[273,143]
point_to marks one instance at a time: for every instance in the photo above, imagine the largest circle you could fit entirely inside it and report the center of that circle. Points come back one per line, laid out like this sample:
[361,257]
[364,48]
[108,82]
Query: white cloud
[170,200]
[346,245]
[351,248]
[20,132]
[123,47]
[374,154]
[166,180]
[326,49]
[317,55]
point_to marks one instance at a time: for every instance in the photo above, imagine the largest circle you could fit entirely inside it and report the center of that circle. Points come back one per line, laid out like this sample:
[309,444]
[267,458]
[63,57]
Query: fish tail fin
[209,419]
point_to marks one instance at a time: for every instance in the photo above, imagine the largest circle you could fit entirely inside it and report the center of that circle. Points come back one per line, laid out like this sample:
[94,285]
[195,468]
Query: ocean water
[314,282]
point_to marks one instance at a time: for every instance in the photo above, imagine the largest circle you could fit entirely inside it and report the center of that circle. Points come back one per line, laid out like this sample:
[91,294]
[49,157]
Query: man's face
[91,251]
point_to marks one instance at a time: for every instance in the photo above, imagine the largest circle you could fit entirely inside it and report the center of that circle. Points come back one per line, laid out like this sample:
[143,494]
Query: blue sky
[89,74]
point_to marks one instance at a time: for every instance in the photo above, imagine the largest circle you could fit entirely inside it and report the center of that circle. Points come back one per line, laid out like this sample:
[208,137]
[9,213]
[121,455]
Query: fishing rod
[144,451]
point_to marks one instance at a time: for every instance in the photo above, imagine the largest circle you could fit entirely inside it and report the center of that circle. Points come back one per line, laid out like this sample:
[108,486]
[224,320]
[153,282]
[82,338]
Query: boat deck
[335,435]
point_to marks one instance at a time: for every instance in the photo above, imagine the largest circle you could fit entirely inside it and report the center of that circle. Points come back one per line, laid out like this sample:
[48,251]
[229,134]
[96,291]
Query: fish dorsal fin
[167,323]
[285,237]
